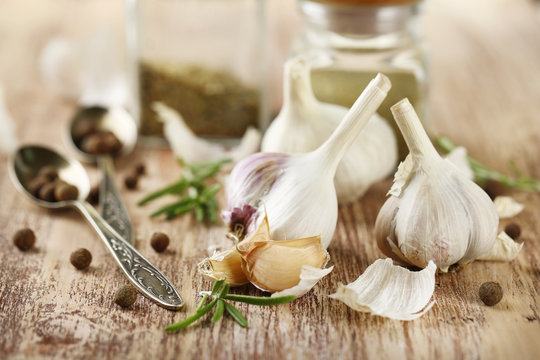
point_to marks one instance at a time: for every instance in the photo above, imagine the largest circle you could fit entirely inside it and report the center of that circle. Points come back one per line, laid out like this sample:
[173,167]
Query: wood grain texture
[485,86]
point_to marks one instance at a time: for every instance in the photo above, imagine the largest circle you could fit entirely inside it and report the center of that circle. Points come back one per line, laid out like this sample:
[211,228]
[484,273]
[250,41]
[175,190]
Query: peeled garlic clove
[507,207]
[390,291]
[192,149]
[276,265]
[304,123]
[434,211]
[505,249]
[309,277]
[225,265]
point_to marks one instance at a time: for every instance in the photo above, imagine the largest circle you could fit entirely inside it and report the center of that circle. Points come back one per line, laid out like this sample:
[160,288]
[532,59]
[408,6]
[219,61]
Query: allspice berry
[490,293]
[131,181]
[513,230]
[36,184]
[159,241]
[93,195]
[64,192]
[140,169]
[48,172]
[24,239]
[125,296]
[46,192]
[81,258]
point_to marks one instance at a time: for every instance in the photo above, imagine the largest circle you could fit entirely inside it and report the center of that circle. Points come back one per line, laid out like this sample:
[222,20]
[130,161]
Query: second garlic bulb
[304,123]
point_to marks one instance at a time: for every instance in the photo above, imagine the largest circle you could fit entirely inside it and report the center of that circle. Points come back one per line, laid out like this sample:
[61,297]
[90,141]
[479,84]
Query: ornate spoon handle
[112,208]
[145,276]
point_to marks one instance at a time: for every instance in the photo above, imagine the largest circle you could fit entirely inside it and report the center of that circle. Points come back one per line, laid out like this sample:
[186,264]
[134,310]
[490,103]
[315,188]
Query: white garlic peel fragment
[193,149]
[298,190]
[304,123]
[309,277]
[391,291]
[458,157]
[274,266]
[434,211]
[507,207]
[505,249]
[8,139]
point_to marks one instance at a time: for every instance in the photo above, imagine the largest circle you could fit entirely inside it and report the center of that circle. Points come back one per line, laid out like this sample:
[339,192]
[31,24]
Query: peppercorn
[93,195]
[494,188]
[48,172]
[81,258]
[140,169]
[125,296]
[131,181]
[490,293]
[513,230]
[159,241]
[64,191]
[24,239]
[46,192]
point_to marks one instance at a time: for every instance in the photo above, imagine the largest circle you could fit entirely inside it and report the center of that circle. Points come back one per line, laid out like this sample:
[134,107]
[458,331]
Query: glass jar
[204,58]
[348,41]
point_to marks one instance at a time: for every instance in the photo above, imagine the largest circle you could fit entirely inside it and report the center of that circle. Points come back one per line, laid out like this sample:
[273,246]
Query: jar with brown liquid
[348,41]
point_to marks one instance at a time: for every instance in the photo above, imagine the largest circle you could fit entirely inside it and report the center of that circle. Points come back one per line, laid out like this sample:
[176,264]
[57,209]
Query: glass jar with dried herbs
[349,41]
[204,58]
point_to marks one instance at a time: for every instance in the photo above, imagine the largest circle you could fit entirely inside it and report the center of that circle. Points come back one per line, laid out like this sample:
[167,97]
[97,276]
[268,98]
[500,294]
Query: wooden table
[485,91]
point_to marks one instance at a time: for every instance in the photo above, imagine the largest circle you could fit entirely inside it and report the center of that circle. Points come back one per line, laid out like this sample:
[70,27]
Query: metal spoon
[121,124]
[24,166]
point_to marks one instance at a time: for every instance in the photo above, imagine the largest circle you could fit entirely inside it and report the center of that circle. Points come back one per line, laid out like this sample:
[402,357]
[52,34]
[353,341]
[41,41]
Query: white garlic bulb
[434,211]
[297,190]
[304,123]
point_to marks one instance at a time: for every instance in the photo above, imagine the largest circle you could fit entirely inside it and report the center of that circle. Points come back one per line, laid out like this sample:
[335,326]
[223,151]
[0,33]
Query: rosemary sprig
[482,174]
[195,195]
[218,295]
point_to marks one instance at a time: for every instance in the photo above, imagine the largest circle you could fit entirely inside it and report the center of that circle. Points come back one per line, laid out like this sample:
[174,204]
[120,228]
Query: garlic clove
[225,265]
[434,211]
[309,277]
[458,157]
[192,149]
[391,291]
[505,249]
[507,207]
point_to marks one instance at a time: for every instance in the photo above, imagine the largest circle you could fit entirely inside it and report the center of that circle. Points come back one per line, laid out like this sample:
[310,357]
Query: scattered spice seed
[81,258]
[159,241]
[48,172]
[64,192]
[93,195]
[513,230]
[131,181]
[140,169]
[24,239]
[490,293]
[494,188]
[125,296]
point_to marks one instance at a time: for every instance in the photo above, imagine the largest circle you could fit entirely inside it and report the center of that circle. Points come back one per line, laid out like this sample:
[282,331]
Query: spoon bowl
[26,163]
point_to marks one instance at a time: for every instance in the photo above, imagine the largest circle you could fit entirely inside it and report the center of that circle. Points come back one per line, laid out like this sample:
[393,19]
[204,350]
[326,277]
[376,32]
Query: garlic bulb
[304,123]
[434,212]
[298,190]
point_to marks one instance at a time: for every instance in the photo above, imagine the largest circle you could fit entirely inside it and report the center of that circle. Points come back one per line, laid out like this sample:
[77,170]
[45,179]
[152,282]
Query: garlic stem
[356,118]
[298,95]
[413,132]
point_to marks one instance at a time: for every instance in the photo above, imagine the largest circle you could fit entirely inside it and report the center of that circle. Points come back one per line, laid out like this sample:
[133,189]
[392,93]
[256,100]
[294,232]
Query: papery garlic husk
[504,249]
[291,266]
[298,190]
[304,123]
[507,207]
[391,291]
[434,211]
[193,149]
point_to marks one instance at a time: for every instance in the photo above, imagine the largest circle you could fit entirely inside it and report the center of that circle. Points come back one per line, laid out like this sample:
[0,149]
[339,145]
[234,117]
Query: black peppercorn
[81,258]
[490,293]
[513,230]
[159,241]
[125,296]
[24,239]
[131,181]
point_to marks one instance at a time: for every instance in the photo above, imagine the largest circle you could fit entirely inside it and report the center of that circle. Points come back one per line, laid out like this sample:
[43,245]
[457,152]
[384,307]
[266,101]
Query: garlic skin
[434,211]
[304,123]
[297,190]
